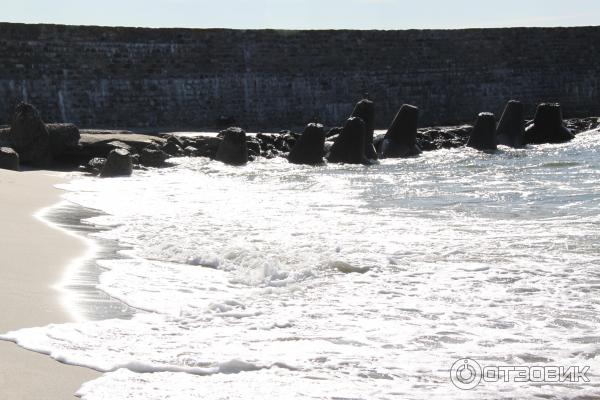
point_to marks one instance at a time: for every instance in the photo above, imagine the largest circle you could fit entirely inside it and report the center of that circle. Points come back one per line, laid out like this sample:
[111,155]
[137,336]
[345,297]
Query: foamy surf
[273,280]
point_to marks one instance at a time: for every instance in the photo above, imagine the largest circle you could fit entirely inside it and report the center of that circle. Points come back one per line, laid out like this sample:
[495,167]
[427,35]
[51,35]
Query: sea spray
[274,280]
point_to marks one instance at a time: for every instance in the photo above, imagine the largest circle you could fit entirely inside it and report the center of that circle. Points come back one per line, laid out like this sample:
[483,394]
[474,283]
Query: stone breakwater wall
[138,77]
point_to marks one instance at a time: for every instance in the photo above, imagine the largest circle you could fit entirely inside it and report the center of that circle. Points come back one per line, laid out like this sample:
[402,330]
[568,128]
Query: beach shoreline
[36,257]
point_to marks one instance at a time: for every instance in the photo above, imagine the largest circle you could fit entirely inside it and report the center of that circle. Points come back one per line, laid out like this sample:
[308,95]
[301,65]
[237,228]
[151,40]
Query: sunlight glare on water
[345,281]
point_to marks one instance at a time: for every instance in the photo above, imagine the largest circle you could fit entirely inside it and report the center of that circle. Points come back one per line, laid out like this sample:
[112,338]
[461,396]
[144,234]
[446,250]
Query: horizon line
[305,29]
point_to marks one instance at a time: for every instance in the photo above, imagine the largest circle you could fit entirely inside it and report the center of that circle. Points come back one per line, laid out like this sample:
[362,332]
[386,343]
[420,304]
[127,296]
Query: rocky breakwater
[30,143]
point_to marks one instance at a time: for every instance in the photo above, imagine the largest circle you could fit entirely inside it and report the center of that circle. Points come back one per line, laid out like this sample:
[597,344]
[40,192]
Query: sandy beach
[34,257]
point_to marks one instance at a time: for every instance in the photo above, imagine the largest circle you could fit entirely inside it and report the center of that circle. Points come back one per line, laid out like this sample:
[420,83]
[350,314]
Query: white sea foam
[274,280]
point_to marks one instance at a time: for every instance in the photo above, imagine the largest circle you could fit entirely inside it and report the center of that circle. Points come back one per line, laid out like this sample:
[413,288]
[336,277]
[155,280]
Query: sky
[305,14]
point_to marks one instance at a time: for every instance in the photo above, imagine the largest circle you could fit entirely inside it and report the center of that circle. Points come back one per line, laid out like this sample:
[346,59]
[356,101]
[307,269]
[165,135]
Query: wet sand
[34,257]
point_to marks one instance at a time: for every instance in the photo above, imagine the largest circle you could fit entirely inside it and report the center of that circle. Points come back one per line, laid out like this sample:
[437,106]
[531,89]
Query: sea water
[274,280]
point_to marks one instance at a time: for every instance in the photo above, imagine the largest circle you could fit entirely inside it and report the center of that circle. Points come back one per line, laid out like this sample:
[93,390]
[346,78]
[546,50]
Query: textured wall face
[96,76]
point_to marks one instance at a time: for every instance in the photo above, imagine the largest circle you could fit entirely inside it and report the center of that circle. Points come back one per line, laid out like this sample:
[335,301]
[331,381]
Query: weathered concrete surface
[111,77]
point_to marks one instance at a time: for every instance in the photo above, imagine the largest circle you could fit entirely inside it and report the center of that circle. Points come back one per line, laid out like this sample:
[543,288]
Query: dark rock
[9,159]
[207,145]
[29,136]
[101,143]
[277,143]
[172,148]
[285,142]
[426,145]
[548,126]
[265,138]
[233,149]
[94,166]
[578,125]
[152,156]
[310,147]
[512,125]
[266,142]
[443,137]
[401,138]
[63,137]
[349,147]
[5,137]
[447,137]
[462,132]
[365,110]
[175,140]
[118,163]
[191,151]
[483,136]
[99,140]
[253,146]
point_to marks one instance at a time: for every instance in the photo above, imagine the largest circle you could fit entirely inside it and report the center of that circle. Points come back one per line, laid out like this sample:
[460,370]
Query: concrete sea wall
[138,77]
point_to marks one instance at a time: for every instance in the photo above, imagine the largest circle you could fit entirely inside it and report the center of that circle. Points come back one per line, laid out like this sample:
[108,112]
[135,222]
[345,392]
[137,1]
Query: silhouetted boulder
[152,156]
[548,126]
[29,136]
[483,136]
[172,148]
[118,163]
[63,137]
[511,127]
[233,149]
[253,146]
[310,147]
[5,137]
[284,142]
[9,159]
[365,110]
[175,140]
[349,147]
[207,145]
[94,166]
[401,138]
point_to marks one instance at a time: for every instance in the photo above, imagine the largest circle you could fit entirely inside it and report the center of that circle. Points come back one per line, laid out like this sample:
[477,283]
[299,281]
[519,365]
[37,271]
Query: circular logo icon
[465,374]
